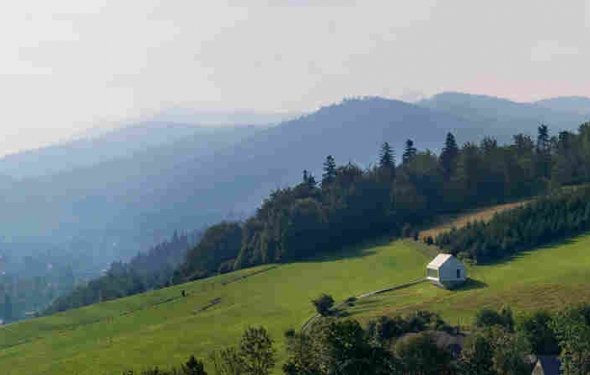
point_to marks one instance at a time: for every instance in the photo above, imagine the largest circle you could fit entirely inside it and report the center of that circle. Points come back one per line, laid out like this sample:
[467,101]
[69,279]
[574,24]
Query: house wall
[448,271]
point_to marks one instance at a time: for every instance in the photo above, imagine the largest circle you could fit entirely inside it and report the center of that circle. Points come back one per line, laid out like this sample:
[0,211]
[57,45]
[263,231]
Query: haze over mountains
[111,196]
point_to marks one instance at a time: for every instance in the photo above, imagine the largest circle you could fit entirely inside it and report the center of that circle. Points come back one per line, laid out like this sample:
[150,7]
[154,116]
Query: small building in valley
[446,271]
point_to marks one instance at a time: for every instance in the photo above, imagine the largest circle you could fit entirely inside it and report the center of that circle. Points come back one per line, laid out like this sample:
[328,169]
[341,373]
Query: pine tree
[543,152]
[386,158]
[409,152]
[543,139]
[386,170]
[329,170]
[449,155]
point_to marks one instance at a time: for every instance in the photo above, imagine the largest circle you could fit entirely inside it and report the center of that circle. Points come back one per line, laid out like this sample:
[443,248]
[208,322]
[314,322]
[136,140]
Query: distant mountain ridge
[114,144]
[576,104]
[501,117]
[185,177]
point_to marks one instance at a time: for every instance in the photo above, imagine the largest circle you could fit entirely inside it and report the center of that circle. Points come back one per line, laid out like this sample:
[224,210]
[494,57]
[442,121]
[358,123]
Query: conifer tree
[329,170]
[449,155]
[409,152]
[543,152]
[386,158]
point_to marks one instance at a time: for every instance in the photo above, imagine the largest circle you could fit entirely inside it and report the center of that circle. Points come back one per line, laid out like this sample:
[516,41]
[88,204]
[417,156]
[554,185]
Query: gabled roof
[439,260]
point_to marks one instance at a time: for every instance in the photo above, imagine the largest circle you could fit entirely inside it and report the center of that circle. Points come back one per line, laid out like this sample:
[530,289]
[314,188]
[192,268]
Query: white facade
[446,271]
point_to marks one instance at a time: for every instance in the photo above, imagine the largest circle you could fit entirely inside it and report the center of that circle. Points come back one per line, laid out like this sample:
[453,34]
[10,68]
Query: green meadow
[546,278]
[162,328]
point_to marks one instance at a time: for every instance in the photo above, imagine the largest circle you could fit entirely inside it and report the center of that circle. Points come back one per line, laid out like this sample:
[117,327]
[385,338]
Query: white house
[446,271]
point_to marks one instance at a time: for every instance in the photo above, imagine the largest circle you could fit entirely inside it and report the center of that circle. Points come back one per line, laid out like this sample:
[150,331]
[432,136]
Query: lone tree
[323,304]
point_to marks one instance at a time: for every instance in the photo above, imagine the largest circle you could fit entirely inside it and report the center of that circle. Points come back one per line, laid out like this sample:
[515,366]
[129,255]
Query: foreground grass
[162,328]
[546,278]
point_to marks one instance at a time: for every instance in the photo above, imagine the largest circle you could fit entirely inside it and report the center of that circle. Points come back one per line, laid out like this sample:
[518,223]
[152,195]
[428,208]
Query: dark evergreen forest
[556,216]
[350,204]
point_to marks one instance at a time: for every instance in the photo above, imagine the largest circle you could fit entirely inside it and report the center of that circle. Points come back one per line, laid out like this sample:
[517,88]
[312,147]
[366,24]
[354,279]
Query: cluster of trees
[146,271]
[556,216]
[565,333]
[498,344]
[351,204]
[408,345]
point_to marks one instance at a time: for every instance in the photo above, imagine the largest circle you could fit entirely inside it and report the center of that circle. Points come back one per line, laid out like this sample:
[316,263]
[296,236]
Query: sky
[67,66]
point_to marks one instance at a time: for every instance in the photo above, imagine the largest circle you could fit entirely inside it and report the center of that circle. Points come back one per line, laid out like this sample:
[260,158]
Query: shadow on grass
[471,284]
[359,250]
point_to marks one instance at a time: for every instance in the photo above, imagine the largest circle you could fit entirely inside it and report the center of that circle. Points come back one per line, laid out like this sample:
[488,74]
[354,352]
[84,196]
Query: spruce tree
[542,139]
[329,170]
[543,152]
[409,152]
[448,155]
[386,157]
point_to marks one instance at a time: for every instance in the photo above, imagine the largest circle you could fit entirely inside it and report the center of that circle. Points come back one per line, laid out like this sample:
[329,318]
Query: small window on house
[458,273]
[431,272]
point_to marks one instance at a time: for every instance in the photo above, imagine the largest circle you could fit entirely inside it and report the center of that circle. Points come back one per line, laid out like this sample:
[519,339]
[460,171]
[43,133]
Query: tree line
[556,216]
[350,204]
[497,344]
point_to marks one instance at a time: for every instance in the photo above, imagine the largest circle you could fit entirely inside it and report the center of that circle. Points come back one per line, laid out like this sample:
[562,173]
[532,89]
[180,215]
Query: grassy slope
[549,278]
[160,328]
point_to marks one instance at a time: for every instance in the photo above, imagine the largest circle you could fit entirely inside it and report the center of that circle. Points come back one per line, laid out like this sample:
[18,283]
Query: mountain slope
[115,144]
[201,178]
[575,104]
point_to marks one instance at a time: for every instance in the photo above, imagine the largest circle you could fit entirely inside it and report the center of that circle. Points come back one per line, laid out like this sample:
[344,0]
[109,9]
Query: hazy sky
[66,66]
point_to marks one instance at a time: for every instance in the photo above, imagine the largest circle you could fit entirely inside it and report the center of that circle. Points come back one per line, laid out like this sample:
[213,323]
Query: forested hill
[351,204]
[116,207]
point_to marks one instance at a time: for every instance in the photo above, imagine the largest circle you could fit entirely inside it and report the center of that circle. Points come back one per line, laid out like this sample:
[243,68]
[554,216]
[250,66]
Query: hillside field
[547,278]
[163,328]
